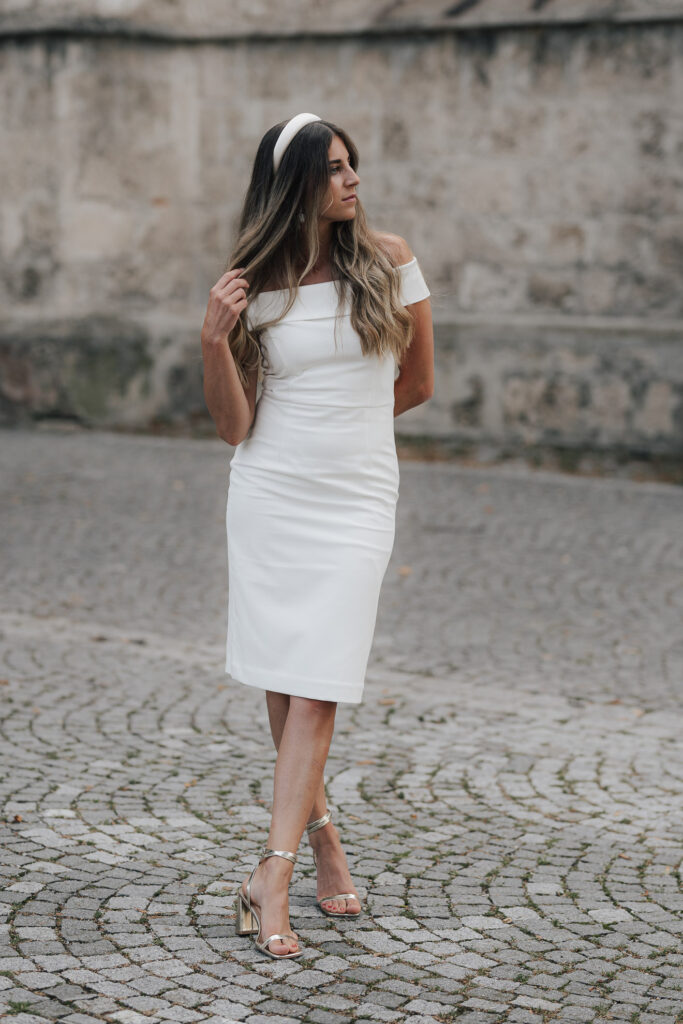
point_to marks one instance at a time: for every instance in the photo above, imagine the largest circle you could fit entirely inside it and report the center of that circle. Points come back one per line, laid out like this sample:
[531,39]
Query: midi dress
[311,504]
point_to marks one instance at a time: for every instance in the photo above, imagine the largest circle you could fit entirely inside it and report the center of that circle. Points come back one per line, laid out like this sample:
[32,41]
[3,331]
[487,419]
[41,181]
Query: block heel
[244,918]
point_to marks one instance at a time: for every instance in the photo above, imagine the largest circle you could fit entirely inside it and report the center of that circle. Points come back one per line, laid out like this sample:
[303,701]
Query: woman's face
[339,204]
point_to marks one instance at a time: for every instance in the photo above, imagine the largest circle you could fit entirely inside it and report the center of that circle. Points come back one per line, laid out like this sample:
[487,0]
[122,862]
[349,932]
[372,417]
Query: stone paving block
[241,994]
[131,1017]
[27,1018]
[426,1006]
[403,988]
[238,1011]
[389,999]
[274,1007]
[170,968]
[482,1004]
[98,1005]
[148,1004]
[366,1011]
[576,1013]
[80,1018]
[21,995]
[469,1017]
[326,1017]
[183,1014]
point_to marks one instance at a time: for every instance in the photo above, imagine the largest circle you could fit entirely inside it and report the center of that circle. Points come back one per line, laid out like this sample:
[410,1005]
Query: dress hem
[295,686]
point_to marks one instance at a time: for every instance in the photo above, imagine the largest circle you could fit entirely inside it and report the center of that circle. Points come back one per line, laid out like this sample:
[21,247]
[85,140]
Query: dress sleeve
[253,313]
[413,285]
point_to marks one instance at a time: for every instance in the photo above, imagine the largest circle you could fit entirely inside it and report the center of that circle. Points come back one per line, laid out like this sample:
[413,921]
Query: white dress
[312,501]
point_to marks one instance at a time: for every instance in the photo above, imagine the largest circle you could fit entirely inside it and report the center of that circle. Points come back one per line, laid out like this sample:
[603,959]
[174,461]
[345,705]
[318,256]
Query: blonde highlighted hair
[278,244]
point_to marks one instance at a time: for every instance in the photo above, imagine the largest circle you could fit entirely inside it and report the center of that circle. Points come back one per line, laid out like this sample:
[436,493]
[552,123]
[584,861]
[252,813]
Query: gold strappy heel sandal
[313,827]
[247,921]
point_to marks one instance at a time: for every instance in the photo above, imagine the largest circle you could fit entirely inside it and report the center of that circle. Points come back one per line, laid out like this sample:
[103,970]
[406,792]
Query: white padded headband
[288,133]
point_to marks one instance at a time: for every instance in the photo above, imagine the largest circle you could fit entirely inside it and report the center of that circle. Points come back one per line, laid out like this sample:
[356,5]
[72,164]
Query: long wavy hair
[278,245]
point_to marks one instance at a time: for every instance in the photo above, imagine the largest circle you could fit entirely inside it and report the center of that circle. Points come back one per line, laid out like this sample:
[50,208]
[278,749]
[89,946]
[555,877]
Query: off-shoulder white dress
[312,500]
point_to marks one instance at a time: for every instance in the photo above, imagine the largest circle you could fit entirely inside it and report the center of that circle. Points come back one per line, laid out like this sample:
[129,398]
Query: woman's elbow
[234,433]
[229,433]
[232,438]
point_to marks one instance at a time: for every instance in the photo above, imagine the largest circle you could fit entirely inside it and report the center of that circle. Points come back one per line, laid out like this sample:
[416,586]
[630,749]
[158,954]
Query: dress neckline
[318,284]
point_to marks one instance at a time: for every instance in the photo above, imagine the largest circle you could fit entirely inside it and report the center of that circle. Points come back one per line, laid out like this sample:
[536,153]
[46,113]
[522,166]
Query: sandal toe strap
[277,935]
[339,896]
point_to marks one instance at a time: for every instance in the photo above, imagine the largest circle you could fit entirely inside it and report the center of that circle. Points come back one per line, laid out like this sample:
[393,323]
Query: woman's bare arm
[415,382]
[231,405]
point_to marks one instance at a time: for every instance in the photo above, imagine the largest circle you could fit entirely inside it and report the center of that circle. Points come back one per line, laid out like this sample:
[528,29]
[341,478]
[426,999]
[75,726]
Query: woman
[314,478]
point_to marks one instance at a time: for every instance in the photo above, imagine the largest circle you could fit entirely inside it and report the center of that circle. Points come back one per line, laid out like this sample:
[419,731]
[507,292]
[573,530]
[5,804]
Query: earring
[301,216]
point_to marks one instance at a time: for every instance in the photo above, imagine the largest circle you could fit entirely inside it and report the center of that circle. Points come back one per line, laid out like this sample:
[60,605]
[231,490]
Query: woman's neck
[321,266]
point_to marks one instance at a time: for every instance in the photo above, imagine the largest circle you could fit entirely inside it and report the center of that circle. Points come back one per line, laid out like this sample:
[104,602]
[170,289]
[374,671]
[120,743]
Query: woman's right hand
[227,299]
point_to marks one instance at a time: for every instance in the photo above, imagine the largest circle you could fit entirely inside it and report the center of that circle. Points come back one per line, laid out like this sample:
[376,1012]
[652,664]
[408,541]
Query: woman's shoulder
[395,247]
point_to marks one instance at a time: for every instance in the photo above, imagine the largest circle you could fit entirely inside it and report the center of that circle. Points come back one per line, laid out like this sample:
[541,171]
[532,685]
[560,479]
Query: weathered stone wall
[259,19]
[535,169]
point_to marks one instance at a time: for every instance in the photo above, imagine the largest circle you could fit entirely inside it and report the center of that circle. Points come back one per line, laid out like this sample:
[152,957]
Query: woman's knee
[278,701]
[307,707]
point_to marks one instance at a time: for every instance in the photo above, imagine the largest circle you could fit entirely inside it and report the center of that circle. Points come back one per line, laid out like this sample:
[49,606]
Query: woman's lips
[349,198]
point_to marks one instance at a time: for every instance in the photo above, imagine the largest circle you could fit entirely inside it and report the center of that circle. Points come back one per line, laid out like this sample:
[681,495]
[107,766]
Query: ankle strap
[264,856]
[318,823]
[278,853]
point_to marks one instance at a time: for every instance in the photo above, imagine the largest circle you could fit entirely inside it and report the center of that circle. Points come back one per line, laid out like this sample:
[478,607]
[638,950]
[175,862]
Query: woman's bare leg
[278,707]
[303,746]
[332,870]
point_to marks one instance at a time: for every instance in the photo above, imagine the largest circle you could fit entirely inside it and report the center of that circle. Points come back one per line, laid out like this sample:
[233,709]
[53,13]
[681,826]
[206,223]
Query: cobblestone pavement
[509,792]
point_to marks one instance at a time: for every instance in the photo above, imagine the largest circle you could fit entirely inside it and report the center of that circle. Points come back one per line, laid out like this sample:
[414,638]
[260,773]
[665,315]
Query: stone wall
[261,19]
[533,163]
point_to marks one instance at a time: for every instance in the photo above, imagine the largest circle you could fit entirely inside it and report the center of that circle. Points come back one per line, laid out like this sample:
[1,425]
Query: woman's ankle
[323,837]
[276,869]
